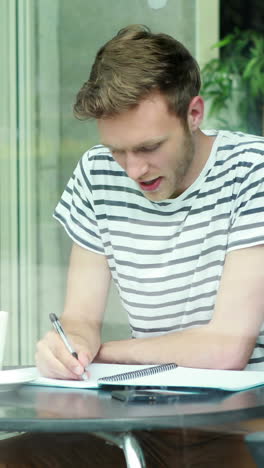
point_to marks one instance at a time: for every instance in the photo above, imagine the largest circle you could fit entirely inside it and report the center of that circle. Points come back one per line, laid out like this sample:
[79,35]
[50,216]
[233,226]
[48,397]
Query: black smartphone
[149,395]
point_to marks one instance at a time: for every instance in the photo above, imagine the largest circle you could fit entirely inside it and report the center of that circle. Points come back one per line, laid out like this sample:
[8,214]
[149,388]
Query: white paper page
[203,378]
[95,371]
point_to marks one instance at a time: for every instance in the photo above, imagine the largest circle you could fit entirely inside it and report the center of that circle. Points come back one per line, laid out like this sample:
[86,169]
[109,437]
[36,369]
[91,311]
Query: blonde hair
[131,65]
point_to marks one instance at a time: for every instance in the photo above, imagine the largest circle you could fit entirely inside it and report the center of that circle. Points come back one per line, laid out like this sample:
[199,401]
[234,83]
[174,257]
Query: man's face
[151,145]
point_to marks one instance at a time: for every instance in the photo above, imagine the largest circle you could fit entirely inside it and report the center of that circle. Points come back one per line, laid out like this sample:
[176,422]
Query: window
[47,47]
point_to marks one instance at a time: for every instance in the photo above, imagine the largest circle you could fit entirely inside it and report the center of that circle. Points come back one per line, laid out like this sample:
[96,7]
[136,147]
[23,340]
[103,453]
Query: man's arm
[87,291]
[227,342]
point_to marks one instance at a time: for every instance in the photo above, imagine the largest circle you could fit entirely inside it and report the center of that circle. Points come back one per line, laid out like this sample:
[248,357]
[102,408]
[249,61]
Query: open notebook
[163,375]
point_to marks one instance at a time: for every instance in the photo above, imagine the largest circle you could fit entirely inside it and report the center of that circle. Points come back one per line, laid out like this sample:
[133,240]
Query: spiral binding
[139,373]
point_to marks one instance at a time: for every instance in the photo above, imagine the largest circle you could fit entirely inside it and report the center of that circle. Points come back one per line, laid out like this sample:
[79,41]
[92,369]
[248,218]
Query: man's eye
[117,153]
[148,149]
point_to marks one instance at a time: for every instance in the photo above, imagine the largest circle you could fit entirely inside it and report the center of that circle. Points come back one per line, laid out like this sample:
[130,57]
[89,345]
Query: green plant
[236,78]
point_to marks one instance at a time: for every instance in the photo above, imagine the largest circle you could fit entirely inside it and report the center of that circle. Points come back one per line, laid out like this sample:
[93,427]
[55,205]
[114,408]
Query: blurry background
[46,49]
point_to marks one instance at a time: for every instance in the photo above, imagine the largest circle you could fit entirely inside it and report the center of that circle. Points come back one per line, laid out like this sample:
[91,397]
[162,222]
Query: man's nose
[136,165]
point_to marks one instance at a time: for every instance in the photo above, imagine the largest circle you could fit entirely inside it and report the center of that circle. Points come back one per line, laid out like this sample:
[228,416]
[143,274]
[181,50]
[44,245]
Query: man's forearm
[196,347]
[86,332]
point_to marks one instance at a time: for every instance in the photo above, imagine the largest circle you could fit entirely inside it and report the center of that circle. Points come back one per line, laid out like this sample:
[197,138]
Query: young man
[172,214]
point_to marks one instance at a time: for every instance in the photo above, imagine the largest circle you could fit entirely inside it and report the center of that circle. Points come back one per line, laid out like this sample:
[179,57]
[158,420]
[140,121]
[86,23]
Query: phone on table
[150,395]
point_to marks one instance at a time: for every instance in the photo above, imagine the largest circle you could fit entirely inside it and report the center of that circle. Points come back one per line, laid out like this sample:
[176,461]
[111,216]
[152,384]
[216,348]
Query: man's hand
[87,290]
[55,361]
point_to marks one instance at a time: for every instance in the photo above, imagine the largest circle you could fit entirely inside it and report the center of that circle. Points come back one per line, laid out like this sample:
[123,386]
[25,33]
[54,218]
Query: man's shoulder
[99,158]
[241,146]
[233,140]
[98,168]
[97,153]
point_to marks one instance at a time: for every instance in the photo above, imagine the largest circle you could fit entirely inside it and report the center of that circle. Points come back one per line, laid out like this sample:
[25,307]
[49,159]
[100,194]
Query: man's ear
[195,113]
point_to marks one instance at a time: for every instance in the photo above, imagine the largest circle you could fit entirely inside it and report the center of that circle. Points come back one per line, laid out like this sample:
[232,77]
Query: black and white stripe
[167,257]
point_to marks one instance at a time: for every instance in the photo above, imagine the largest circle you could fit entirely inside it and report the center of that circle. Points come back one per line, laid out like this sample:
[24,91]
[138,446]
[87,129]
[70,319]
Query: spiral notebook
[97,373]
[162,375]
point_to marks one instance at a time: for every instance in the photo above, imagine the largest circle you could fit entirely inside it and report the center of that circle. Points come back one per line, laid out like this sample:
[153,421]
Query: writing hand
[55,361]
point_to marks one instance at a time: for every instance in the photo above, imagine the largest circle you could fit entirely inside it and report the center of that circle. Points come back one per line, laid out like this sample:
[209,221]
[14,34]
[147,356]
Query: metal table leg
[130,446]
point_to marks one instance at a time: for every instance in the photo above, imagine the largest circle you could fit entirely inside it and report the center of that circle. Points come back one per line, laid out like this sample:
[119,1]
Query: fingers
[83,358]
[54,360]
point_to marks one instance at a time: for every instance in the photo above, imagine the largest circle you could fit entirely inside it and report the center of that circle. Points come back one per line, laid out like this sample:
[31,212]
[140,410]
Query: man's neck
[202,150]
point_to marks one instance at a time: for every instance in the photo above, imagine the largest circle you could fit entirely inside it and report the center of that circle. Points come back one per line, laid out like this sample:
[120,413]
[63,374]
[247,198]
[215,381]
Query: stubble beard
[184,165]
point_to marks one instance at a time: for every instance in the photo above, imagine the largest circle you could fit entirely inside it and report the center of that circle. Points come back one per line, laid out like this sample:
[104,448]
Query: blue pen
[58,327]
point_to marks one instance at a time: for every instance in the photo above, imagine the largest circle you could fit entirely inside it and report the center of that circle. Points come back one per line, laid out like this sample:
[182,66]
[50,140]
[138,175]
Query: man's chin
[155,196]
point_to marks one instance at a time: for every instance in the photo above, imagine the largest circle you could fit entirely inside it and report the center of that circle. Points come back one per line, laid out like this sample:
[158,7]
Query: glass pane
[68,39]
[54,45]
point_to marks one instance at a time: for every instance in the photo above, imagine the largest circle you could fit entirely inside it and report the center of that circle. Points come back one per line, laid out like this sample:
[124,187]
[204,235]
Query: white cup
[3,330]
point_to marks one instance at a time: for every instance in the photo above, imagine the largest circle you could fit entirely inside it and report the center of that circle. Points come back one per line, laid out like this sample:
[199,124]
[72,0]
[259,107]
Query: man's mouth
[150,185]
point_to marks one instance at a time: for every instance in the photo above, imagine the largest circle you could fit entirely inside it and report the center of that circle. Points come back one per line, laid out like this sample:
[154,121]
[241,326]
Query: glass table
[46,409]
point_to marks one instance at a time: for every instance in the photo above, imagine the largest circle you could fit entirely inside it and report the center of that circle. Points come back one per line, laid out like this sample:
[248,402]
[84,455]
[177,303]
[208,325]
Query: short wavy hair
[130,66]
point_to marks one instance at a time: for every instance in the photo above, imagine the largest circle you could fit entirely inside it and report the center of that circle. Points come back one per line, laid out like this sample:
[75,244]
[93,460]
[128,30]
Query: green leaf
[248,70]
[227,40]
[238,74]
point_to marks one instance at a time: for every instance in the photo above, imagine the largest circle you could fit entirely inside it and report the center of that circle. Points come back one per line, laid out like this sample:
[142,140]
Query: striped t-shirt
[167,257]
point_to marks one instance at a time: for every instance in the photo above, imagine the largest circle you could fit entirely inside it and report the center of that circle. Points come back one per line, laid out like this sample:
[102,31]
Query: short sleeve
[75,210]
[247,217]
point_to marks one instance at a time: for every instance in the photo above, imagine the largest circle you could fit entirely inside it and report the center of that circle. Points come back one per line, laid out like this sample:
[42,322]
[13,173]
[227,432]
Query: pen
[58,327]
